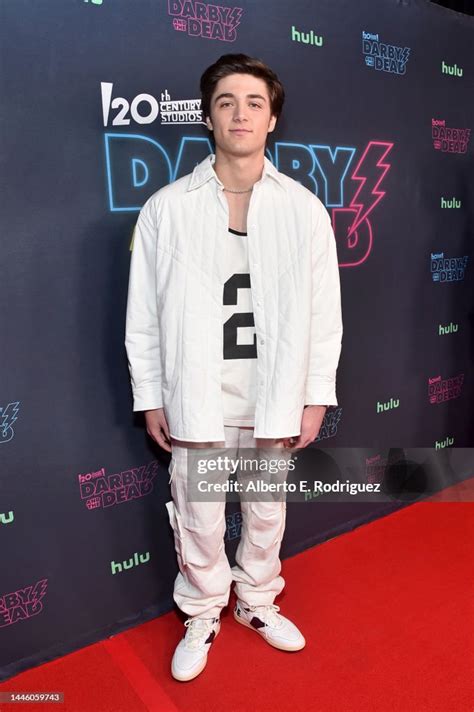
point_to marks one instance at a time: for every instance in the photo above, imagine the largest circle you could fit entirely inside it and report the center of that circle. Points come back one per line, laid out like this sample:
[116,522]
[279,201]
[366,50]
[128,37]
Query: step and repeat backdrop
[100,108]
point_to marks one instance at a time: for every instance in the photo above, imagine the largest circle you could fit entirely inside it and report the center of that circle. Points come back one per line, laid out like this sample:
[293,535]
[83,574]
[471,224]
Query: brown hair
[240,64]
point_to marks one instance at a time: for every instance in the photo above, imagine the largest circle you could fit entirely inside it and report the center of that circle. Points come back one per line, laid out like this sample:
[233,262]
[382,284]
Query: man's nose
[239,114]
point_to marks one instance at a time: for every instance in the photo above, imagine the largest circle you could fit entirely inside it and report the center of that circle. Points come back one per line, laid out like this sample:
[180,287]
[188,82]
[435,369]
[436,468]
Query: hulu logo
[133,561]
[306,37]
[447,442]
[311,494]
[94,2]
[452,203]
[6,519]
[453,70]
[388,405]
[450,329]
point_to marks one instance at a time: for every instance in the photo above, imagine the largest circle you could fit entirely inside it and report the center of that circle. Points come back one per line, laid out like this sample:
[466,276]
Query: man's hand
[157,427]
[313,416]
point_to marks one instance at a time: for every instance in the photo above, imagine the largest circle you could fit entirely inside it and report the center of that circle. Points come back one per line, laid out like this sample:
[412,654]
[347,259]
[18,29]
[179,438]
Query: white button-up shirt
[174,333]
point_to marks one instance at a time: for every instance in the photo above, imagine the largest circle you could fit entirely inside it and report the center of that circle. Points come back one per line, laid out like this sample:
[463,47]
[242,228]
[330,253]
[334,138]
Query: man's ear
[272,124]
[209,123]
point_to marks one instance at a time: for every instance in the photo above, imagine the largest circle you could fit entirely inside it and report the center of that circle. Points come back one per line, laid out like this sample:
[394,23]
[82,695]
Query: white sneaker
[190,656]
[271,625]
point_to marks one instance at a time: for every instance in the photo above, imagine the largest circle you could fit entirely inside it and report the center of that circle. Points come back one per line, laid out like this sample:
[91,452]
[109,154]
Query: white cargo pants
[202,585]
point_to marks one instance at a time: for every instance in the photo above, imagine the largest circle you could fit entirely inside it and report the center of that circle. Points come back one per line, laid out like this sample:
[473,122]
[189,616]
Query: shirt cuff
[147,398]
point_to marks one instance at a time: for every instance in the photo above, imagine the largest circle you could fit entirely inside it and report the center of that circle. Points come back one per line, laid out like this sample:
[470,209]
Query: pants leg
[202,585]
[258,566]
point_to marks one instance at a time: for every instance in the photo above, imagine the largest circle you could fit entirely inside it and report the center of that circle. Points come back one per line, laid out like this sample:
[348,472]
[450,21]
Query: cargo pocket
[203,546]
[262,532]
[177,531]
[171,468]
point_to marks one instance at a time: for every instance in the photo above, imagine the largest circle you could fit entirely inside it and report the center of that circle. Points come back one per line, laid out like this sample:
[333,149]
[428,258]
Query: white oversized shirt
[173,331]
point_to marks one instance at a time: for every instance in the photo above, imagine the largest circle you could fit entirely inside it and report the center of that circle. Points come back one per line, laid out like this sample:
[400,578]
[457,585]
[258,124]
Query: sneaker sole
[280,646]
[185,678]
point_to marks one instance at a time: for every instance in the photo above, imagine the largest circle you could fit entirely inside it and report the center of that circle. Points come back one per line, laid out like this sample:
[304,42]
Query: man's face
[240,114]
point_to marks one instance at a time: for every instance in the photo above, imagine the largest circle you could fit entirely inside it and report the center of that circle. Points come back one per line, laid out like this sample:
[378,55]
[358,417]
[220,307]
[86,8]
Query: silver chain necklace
[229,190]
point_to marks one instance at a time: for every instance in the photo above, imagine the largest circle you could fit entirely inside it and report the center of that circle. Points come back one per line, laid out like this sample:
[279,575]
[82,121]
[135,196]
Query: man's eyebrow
[229,95]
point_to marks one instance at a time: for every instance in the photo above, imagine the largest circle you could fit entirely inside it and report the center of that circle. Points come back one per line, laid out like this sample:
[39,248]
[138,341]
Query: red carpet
[387,611]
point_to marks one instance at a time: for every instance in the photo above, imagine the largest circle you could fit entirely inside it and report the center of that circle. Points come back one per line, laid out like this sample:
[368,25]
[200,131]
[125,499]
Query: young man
[233,250]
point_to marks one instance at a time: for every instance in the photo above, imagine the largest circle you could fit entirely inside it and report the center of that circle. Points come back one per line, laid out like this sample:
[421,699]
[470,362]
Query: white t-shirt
[239,363]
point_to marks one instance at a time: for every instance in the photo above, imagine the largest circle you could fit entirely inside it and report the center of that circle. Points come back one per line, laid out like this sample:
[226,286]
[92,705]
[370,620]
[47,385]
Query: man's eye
[252,103]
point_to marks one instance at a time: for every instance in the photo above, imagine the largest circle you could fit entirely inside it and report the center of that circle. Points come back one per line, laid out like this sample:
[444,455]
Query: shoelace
[268,614]
[198,628]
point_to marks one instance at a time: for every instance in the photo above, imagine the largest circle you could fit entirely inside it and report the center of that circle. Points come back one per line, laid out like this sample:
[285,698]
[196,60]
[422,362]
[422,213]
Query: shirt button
[262,341]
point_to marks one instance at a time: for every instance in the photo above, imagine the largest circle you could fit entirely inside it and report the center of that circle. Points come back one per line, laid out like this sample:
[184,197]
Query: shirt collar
[204,171]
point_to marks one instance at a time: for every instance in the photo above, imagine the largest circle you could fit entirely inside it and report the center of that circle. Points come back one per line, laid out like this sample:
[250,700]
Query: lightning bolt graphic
[8,417]
[364,204]
[234,18]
